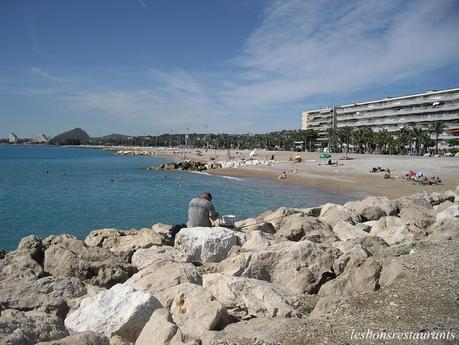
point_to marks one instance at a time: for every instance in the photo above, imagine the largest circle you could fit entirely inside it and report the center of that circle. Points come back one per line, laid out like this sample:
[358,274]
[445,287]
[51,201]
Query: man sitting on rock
[200,212]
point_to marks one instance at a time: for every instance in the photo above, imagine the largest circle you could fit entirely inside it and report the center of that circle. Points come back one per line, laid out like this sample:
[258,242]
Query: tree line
[414,140]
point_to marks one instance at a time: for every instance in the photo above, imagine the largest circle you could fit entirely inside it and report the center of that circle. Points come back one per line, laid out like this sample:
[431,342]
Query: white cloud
[302,49]
[42,73]
[307,48]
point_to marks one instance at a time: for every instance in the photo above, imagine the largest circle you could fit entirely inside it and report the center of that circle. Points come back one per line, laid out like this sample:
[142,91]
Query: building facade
[390,113]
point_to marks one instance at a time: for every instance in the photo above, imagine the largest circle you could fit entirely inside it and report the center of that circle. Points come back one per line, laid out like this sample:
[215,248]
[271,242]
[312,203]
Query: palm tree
[417,135]
[345,134]
[360,138]
[437,127]
[404,138]
[382,139]
[331,137]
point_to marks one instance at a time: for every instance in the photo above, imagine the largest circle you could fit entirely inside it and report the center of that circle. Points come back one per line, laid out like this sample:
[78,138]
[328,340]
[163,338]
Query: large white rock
[296,266]
[144,257]
[122,311]
[256,297]
[208,244]
[163,274]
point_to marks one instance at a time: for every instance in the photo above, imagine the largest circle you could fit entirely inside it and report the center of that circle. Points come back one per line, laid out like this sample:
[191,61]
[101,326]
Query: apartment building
[390,113]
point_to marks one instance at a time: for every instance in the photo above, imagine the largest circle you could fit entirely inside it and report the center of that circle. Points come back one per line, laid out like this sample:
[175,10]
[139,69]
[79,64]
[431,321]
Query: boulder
[96,238]
[33,246]
[66,256]
[347,231]
[133,240]
[255,224]
[295,266]
[2,253]
[85,338]
[373,244]
[124,242]
[444,229]
[193,309]
[251,296]
[276,217]
[19,265]
[207,244]
[333,213]
[372,208]
[360,275]
[160,327]
[421,199]
[419,216]
[29,327]
[257,239]
[298,226]
[144,257]
[396,230]
[266,331]
[358,251]
[451,212]
[163,274]
[161,228]
[47,294]
[122,311]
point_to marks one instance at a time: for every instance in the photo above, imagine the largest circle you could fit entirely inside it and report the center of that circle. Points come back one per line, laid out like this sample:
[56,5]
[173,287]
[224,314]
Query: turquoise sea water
[53,190]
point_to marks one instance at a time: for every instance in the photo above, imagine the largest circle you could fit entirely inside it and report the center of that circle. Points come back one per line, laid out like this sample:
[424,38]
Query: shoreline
[348,177]
[353,185]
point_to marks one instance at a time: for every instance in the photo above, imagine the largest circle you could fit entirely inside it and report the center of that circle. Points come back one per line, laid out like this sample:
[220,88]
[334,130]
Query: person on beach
[200,213]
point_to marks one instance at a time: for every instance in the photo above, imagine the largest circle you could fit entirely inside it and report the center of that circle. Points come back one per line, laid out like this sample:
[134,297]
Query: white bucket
[228,220]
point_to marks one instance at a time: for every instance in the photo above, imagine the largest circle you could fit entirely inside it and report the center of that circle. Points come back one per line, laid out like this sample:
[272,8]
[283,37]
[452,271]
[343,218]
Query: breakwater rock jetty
[328,274]
[192,165]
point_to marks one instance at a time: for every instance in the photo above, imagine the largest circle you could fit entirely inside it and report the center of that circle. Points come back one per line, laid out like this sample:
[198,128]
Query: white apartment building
[390,113]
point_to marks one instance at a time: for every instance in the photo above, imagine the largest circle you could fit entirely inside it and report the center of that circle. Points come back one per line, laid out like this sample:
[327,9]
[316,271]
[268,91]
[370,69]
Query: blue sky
[156,66]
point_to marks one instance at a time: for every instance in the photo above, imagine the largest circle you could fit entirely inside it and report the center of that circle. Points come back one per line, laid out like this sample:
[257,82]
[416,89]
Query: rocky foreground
[323,275]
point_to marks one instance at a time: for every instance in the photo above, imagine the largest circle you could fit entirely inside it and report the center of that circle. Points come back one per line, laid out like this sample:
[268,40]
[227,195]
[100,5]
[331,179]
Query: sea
[55,190]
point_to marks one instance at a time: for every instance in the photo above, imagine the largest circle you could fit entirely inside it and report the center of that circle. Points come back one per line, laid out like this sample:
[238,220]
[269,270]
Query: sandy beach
[349,176]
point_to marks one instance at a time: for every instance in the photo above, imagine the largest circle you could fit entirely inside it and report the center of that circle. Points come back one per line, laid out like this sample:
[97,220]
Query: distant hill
[115,137]
[75,136]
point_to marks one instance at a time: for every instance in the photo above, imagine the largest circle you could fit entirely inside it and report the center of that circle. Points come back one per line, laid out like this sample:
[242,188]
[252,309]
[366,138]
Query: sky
[141,67]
